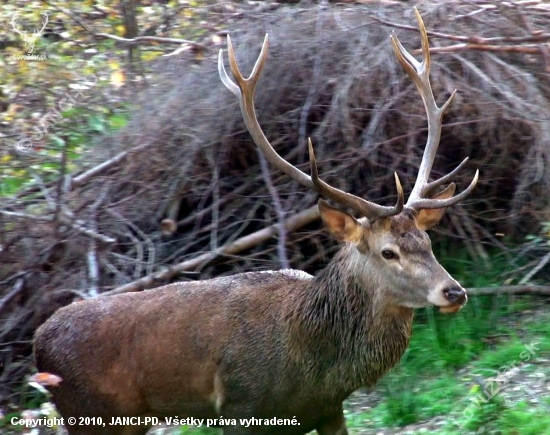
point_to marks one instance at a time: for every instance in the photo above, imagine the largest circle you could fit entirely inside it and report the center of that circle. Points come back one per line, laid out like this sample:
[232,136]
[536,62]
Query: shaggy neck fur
[343,326]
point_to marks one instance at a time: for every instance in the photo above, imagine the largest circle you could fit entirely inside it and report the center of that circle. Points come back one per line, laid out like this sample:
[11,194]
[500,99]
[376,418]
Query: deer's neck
[343,322]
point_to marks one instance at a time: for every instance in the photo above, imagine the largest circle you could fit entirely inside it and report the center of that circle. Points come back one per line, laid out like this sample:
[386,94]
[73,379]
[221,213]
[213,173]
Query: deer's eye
[388,254]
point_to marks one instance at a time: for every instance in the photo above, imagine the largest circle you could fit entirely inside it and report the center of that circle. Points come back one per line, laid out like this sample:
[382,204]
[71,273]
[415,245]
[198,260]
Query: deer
[267,344]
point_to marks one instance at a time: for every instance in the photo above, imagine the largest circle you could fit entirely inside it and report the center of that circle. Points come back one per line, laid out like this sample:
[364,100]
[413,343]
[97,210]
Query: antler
[14,25]
[420,74]
[244,91]
[44,22]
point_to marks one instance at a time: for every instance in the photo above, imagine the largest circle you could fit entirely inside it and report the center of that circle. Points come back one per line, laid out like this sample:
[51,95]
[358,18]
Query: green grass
[524,419]
[198,430]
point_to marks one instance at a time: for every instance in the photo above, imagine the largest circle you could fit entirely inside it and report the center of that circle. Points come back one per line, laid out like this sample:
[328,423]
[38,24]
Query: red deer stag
[261,345]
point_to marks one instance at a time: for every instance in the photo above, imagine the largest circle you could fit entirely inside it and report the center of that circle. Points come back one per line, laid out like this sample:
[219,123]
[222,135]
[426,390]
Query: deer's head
[395,254]
[390,244]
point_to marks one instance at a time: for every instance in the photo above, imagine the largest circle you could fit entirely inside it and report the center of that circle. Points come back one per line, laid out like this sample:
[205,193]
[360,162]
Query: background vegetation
[150,175]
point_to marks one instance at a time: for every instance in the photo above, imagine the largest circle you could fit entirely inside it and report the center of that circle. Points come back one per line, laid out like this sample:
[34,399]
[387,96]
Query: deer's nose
[455,295]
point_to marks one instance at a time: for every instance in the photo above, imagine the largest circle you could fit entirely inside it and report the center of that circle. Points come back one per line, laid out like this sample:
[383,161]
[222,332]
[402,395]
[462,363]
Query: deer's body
[261,344]
[265,344]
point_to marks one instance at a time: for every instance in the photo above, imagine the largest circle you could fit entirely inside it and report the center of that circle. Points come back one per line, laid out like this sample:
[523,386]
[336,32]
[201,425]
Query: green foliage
[198,431]
[83,126]
[402,404]
[543,238]
[31,90]
[524,419]
[483,411]
[501,356]
[410,398]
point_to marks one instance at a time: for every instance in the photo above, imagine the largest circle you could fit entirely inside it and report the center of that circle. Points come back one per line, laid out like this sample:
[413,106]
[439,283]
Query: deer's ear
[427,218]
[340,225]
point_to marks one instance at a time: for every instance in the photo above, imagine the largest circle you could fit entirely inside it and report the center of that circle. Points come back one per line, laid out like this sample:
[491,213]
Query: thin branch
[77,225]
[150,39]
[138,249]
[281,242]
[67,12]
[536,269]
[151,252]
[524,49]
[96,170]
[544,49]
[539,36]
[317,69]
[11,294]
[215,188]
[19,215]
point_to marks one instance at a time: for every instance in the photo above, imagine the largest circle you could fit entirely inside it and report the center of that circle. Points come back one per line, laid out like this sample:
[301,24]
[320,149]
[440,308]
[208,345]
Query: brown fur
[262,344]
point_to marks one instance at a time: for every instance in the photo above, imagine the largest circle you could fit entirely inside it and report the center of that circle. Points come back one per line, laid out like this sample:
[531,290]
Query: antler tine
[244,91]
[427,203]
[366,208]
[429,187]
[420,74]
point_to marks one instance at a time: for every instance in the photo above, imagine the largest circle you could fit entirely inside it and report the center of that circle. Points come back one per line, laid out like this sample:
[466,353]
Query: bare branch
[543,262]
[541,37]
[281,241]
[524,49]
[139,39]
[96,170]
[12,293]
[20,215]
